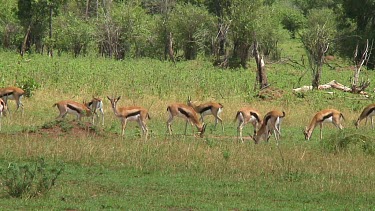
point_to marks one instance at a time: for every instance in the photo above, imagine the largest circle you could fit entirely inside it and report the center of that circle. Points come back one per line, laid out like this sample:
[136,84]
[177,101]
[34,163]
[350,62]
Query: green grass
[105,171]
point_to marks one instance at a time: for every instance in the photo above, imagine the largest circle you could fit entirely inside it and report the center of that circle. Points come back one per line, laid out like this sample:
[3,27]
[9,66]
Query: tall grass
[301,174]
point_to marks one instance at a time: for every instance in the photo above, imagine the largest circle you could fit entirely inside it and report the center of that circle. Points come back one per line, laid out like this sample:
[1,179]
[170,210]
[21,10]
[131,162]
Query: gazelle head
[114,101]
[189,102]
[306,133]
[201,131]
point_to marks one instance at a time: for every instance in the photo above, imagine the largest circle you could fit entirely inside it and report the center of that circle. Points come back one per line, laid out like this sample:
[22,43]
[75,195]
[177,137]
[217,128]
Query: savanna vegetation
[153,53]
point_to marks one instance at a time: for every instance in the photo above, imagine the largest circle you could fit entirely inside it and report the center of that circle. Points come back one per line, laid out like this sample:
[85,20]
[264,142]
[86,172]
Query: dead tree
[25,41]
[261,76]
[170,48]
[359,60]
[316,61]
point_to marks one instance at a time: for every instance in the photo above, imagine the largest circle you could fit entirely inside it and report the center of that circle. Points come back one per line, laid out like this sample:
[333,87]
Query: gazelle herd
[263,127]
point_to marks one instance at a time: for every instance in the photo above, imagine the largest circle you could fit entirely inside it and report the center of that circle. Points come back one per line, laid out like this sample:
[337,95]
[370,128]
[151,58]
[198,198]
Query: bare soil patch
[60,128]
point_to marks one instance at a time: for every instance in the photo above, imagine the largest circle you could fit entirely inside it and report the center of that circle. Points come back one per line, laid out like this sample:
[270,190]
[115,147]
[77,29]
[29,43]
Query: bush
[349,139]
[29,180]
[29,85]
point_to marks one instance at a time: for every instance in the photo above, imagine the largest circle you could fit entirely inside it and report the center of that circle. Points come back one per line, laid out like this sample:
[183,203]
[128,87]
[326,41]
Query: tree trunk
[318,61]
[25,41]
[170,47]
[317,77]
[261,78]
[359,60]
[50,46]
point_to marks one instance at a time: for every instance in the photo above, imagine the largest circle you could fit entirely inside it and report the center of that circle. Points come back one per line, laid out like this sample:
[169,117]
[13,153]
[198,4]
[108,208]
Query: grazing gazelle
[271,123]
[247,115]
[3,108]
[131,113]
[186,112]
[71,107]
[367,113]
[210,108]
[12,93]
[94,105]
[326,115]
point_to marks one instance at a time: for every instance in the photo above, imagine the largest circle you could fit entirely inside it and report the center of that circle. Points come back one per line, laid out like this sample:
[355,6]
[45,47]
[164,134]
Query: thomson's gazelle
[271,123]
[326,115]
[131,113]
[94,105]
[3,108]
[367,113]
[12,93]
[247,115]
[210,108]
[71,107]
[186,112]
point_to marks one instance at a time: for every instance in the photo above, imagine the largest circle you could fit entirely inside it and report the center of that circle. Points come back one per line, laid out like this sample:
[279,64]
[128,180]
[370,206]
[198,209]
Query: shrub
[29,85]
[29,180]
[349,139]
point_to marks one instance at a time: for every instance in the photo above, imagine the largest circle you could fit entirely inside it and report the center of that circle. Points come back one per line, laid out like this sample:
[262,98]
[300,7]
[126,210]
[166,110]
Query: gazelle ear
[109,98]
[118,98]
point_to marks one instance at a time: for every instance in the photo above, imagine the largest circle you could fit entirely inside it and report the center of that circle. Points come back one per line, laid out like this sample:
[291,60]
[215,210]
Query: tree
[124,29]
[243,27]
[192,28]
[10,30]
[320,32]
[35,16]
[362,14]
[359,60]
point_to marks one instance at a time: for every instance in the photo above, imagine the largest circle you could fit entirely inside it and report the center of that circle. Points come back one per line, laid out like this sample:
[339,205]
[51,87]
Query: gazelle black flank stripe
[182,111]
[370,111]
[133,114]
[6,94]
[74,108]
[267,118]
[255,115]
[205,109]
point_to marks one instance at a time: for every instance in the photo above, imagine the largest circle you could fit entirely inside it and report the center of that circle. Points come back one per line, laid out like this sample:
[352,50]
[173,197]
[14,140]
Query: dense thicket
[222,30]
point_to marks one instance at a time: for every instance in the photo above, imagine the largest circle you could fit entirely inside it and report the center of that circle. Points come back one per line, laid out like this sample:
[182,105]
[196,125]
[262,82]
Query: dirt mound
[270,93]
[62,127]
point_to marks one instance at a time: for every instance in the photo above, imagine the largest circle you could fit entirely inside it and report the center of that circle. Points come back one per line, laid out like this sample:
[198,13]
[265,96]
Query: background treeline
[223,31]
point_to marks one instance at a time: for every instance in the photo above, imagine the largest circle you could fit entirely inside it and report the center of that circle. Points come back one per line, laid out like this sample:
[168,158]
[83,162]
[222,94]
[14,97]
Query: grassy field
[105,171]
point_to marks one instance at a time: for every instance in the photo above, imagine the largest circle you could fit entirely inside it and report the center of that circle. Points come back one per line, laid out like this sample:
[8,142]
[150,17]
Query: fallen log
[332,84]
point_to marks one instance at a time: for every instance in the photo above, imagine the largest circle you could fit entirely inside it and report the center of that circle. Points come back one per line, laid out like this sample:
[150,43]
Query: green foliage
[192,28]
[29,85]
[125,31]
[10,31]
[292,19]
[30,180]
[36,15]
[73,34]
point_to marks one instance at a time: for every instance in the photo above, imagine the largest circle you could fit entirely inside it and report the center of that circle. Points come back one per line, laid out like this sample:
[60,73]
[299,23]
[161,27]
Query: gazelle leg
[169,122]
[239,131]
[102,112]
[186,126]
[123,126]
[217,118]
[321,132]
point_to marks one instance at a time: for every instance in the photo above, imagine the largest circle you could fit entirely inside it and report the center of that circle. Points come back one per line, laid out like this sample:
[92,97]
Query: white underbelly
[133,118]
[328,120]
